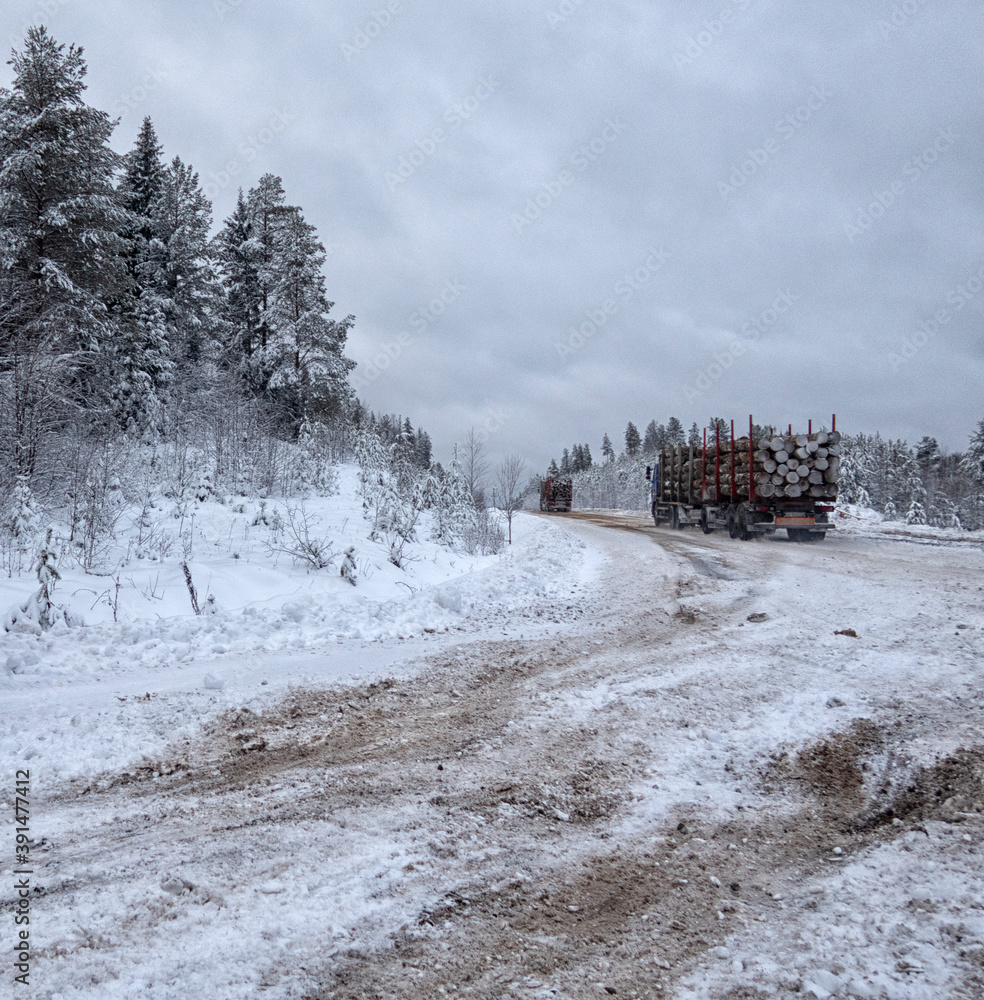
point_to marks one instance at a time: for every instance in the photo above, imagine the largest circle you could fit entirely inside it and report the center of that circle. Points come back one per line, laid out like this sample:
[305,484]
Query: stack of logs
[801,465]
[783,466]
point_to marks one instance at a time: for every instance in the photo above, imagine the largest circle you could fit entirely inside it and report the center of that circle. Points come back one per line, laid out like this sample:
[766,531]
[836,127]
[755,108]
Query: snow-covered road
[679,782]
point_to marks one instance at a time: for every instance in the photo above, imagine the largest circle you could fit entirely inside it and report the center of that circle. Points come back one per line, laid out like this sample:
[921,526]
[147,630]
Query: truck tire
[821,518]
[674,517]
[743,533]
[732,521]
[704,525]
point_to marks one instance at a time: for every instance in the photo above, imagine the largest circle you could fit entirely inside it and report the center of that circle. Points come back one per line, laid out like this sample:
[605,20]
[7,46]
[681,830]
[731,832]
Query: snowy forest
[919,485]
[145,363]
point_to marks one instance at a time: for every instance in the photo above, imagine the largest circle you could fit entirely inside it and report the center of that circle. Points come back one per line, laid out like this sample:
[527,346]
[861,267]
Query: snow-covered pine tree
[632,440]
[718,425]
[552,469]
[305,359]
[695,438]
[674,431]
[61,250]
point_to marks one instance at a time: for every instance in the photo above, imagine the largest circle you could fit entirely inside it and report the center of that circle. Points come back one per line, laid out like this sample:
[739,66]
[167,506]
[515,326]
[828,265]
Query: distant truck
[556,494]
[749,486]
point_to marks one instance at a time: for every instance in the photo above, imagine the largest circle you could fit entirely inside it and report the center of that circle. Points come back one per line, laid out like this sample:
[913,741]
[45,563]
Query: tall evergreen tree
[143,177]
[718,425]
[183,270]
[674,432]
[61,251]
[972,467]
[651,440]
[281,337]
[239,256]
[607,451]
[632,440]
[304,354]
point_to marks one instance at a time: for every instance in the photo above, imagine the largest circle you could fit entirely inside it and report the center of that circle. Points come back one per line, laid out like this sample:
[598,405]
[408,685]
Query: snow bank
[100,696]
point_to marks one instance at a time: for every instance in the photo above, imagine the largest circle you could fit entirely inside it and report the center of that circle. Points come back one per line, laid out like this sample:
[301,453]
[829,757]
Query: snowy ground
[604,778]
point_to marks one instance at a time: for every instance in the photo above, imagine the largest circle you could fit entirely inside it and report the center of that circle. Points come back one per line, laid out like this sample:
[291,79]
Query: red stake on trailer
[751,478]
[732,461]
[703,482]
[810,427]
[717,465]
[833,422]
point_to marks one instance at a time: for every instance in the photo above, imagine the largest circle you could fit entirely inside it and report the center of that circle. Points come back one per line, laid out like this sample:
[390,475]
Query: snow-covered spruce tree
[239,257]
[182,271]
[308,369]
[971,509]
[20,525]
[141,183]
[854,474]
[174,328]
[916,513]
[608,452]
[246,251]
[61,252]
[39,612]
[632,440]
[142,367]
[450,502]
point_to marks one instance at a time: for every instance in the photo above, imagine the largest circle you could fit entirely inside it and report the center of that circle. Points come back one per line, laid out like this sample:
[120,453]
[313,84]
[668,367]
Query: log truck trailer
[751,485]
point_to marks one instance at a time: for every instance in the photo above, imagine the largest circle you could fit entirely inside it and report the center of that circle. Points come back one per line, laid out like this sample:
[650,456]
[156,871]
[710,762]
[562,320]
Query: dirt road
[699,790]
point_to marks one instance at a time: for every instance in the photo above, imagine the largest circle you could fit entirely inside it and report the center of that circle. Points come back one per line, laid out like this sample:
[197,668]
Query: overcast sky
[583,213]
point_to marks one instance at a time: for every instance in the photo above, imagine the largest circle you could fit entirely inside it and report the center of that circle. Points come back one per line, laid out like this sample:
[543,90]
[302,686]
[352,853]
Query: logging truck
[556,494]
[751,485]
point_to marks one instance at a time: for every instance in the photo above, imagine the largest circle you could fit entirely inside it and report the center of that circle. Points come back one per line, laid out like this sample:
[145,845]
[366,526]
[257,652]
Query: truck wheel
[674,517]
[704,526]
[732,522]
[821,518]
[655,515]
[743,533]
